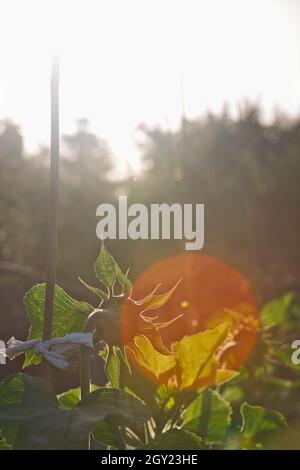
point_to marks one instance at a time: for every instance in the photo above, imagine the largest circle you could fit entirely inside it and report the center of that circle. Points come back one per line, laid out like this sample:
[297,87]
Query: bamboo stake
[53,204]
[185,170]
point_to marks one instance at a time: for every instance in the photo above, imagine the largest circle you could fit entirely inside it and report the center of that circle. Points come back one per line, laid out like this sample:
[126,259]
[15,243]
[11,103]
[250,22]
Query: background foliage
[245,171]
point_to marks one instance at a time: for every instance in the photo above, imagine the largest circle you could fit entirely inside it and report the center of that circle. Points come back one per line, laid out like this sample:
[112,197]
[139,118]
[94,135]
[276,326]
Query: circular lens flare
[210,293]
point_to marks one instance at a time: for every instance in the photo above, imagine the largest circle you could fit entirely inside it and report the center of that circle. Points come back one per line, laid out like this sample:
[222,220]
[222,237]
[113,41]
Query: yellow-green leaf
[105,268]
[154,301]
[225,375]
[194,352]
[151,359]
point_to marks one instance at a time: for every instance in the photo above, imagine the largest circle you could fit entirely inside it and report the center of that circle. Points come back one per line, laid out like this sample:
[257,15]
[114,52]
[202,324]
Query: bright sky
[122,62]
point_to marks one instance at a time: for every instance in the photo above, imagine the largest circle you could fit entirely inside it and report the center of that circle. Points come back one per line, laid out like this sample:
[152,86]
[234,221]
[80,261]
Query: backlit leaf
[176,439]
[123,280]
[69,316]
[154,301]
[112,367]
[150,358]
[217,421]
[71,397]
[263,428]
[108,433]
[4,445]
[105,268]
[100,293]
[194,352]
[283,311]
[285,354]
[225,375]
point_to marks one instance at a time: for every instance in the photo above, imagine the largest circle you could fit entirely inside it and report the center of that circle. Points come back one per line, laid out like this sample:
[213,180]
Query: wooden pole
[53,203]
[185,170]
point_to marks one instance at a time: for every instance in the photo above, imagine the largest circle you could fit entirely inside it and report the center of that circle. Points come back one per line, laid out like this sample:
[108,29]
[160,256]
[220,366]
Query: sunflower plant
[180,395]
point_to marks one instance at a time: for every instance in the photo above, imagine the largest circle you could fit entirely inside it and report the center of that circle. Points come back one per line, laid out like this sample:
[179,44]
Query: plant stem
[91,326]
[205,413]
[93,320]
[146,434]
[85,370]
[85,376]
[85,384]
[133,436]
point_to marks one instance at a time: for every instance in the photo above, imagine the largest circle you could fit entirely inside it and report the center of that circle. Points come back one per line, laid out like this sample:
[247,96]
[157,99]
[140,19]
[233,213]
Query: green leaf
[124,360]
[149,358]
[263,428]
[257,419]
[30,418]
[217,418]
[136,383]
[4,445]
[284,354]
[107,432]
[71,398]
[100,293]
[105,268]
[195,354]
[69,315]
[112,367]
[108,272]
[175,439]
[113,401]
[233,393]
[282,311]
[278,382]
[34,419]
[166,400]
[11,392]
[123,280]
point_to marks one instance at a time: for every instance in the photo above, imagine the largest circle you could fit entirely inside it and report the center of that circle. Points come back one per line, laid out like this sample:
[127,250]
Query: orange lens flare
[210,293]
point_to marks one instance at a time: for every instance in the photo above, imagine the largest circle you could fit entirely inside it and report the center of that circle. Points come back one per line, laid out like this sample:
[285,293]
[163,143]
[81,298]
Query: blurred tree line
[246,172]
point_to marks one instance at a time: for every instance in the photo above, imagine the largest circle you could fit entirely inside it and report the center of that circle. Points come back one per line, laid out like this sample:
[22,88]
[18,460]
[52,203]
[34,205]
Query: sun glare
[122,62]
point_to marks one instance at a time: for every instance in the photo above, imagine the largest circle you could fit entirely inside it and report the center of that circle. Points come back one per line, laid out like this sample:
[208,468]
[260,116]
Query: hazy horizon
[118,84]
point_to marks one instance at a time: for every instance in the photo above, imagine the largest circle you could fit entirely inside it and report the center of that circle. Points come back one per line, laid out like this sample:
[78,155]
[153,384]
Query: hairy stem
[205,414]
